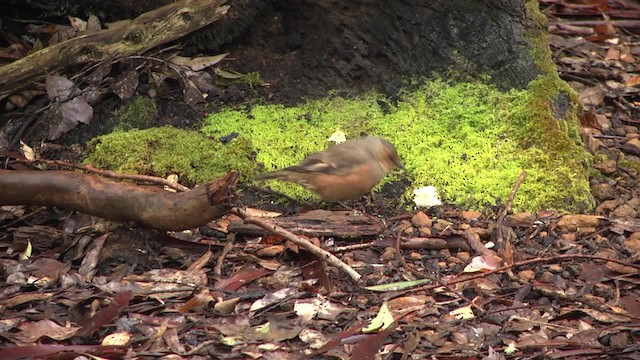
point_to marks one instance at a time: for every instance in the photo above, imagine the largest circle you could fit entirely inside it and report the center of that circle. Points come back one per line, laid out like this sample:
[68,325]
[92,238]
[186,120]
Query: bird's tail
[279,175]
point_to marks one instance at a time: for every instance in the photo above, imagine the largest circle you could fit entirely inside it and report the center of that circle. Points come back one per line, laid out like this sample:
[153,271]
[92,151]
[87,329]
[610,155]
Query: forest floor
[557,286]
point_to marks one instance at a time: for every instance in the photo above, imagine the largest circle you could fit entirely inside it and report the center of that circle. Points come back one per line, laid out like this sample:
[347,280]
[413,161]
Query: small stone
[624,211]
[599,239]
[607,206]
[527,275]
[408,231]
[547,277]
[575,221]
[424,232]
[603,191]
[632,147]
[403,225]
[523,219]
[471,215]
[464,256]
[442,265]
[388,254]
[421,219]
[569,237]
[444,252]
[606,253]
[415,256]
[555,268]
[632,244]
[603,121]
[606,167]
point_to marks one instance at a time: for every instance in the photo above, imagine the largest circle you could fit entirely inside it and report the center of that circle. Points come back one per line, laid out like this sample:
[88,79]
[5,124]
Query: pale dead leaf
[486,262]
[120,338]
[59,88]
[198,63]
[77,23]
[27,151]
[93,24]
[62,35]
[253,212]
[593,96]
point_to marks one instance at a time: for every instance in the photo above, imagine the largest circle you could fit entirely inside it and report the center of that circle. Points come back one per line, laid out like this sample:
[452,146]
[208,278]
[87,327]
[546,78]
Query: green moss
[540,51]
[253,79]
[469,140]
[138,113]
[162,151]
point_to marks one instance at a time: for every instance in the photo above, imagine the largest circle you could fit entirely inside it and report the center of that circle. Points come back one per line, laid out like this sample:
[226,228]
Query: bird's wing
[337,159]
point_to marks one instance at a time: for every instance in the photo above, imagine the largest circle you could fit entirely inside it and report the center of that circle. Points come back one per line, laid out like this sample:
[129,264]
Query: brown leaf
[102,317]
[593,95]
[32,331]
[126,85]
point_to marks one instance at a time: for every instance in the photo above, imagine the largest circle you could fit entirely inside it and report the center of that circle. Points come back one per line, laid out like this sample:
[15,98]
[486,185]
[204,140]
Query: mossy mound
[469,140]
[194,157]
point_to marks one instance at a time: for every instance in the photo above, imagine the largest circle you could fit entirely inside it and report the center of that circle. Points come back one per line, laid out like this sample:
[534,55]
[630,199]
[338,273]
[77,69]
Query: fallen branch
[344,224]
[151,29]
[120,201]
[323,254]
[504,246]
[109,173]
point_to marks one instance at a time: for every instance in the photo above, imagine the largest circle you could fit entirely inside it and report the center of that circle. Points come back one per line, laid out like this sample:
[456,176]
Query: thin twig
[228,246]
[340,249]
[110,174]
[504,245]
[321,253]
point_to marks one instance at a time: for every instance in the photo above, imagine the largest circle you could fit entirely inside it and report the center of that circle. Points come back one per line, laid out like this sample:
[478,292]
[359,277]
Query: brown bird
[344,171]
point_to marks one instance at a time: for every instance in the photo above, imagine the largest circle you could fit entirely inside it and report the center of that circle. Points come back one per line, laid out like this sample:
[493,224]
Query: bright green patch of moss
[138,113]
[166,150]
[470,140]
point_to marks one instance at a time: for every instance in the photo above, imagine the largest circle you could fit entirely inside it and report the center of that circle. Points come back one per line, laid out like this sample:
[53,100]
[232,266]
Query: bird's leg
[370,198]
[361,209]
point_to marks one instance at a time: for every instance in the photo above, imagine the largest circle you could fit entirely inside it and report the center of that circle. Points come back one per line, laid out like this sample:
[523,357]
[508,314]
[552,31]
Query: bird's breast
[333,187]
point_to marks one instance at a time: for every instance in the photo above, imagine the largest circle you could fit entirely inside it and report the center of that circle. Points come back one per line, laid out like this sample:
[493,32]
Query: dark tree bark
[354,46]
[305,48]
